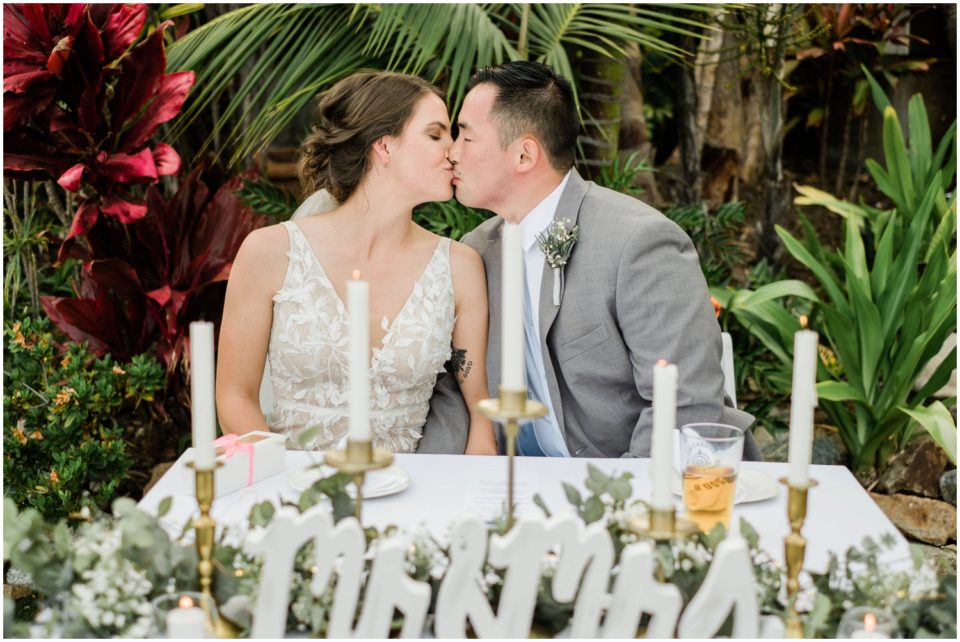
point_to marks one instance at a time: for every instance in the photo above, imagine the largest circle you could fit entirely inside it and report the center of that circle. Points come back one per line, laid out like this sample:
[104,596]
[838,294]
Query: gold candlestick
[662,525]
[357,459]
[511,409]
[205,528]
[794,548]
[204,525]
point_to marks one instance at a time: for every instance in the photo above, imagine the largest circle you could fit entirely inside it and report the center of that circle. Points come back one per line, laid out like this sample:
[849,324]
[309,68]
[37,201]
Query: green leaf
[815,116]
[879,95]
[819,270]
[937,421]
[816,619]
[261,514]
[920,145]
[538,500]
[620,489]
[895,154]
[597,481]
[814,196]
[778,290]
[177,10]
[165,504]
[342,506]
[573,495]
[839,391]
[593,509]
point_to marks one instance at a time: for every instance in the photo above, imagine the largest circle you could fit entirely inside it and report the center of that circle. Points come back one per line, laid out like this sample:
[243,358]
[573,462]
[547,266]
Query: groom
[631,293]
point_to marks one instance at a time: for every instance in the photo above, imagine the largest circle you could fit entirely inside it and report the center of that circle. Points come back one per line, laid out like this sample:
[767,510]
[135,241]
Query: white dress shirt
[534,223]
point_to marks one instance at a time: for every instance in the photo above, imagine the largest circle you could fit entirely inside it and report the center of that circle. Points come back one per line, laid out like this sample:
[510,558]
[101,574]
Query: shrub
[63,415]
[886,300]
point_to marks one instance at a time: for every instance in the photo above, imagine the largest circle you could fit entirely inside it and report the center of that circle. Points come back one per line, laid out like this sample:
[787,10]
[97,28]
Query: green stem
[522,38]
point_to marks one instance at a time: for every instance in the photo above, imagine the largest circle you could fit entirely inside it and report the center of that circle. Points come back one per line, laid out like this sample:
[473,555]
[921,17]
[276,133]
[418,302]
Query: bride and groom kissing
[631,293]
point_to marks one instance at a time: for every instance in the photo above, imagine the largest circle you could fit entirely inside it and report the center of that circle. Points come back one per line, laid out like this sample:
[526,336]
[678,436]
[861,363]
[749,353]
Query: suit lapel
[568,208]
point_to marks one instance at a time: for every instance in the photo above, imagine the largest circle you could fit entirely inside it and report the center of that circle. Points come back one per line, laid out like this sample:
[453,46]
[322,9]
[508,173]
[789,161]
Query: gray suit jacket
[632,293]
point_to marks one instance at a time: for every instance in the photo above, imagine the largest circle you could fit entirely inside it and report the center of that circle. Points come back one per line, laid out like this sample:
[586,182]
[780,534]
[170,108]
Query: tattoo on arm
[458,365]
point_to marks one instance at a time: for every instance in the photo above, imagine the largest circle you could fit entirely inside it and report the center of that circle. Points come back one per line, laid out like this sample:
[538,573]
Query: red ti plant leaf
[166,159]
[122,29]
[70,180]
[166,267]
[82,100]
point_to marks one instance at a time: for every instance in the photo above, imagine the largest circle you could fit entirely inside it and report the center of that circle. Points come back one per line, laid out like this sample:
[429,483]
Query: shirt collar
[541,216]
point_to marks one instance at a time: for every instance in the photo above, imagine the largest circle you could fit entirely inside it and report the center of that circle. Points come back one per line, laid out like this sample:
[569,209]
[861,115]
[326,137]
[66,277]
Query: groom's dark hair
[532,98]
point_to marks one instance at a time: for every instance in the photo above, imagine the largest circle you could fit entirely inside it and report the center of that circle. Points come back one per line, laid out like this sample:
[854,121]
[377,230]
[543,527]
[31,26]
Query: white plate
[752,486]
[379,483]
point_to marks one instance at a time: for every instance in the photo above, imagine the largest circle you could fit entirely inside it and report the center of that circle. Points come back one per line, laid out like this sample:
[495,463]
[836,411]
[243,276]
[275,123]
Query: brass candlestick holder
[511,409]
[205,528]
[357,459]
[794,548]
[204,525]
[662,525]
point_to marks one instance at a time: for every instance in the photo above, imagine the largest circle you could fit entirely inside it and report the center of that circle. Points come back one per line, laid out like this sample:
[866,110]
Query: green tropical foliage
[63,415]
[449,218]
[886,300]
[286,53]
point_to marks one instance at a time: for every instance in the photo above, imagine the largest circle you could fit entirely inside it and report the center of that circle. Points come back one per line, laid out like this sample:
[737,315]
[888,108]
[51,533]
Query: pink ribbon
[231,447]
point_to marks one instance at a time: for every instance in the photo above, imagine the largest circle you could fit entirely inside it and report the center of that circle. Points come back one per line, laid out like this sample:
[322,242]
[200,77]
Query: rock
[915,470]
[944,559]
[928,520]
[948,486]
[828,447]
[772,447]
[950,388]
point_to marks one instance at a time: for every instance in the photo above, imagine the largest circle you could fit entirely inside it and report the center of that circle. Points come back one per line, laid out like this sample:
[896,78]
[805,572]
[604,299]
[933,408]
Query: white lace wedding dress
[308,346]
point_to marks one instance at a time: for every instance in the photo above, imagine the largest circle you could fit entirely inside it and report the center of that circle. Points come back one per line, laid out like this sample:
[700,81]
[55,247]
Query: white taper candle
[664,424]
[512,375]
[203,409]
[803,400]
[358,303]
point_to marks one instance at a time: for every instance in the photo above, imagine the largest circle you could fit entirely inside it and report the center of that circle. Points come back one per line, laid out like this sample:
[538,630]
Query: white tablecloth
[840,513]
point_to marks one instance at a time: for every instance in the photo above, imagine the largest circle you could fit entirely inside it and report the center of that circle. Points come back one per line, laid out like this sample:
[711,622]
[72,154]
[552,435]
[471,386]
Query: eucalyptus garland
[95,577]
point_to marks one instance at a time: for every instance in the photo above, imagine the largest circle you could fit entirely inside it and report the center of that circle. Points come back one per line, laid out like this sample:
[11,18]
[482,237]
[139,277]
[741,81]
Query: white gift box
[246,460]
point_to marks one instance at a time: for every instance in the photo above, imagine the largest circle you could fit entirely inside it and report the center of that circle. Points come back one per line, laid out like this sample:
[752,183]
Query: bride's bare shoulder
[266,241]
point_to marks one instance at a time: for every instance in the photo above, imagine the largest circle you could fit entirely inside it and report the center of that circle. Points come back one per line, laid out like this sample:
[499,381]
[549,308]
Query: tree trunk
[686,112]
[601,87]
[772,128]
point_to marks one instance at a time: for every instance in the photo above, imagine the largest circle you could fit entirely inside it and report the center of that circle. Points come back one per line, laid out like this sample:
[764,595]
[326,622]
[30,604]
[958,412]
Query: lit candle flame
[803,321]
[662,362]
[869,622]
[186,602]
[356,275]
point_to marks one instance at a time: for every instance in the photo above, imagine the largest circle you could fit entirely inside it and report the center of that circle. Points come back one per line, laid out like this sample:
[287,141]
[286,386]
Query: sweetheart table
[443,487]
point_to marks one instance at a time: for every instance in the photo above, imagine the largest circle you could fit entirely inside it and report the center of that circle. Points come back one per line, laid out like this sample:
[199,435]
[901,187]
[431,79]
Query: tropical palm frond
[262,63]
[452,39]
[284,54]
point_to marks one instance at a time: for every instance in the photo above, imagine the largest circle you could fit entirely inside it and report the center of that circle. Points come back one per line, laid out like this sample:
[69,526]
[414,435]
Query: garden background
[808,150]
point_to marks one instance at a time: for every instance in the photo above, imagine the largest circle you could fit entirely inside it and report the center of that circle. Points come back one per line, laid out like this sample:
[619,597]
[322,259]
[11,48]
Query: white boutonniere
[556,243]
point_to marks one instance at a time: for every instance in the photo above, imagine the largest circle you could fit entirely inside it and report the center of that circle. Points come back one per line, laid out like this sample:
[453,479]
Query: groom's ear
[529,154]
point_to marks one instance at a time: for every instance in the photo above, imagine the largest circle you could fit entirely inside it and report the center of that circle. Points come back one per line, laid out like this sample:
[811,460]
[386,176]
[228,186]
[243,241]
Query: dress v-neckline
[342,309]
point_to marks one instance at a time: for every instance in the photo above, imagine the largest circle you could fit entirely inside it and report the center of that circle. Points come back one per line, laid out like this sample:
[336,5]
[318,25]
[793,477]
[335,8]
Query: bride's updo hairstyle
[354,114]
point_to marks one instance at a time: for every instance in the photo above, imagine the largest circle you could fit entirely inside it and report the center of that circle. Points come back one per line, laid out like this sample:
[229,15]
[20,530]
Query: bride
[380,149]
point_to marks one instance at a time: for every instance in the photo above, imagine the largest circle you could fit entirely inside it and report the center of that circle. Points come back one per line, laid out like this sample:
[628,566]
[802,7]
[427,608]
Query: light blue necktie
[541,437]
